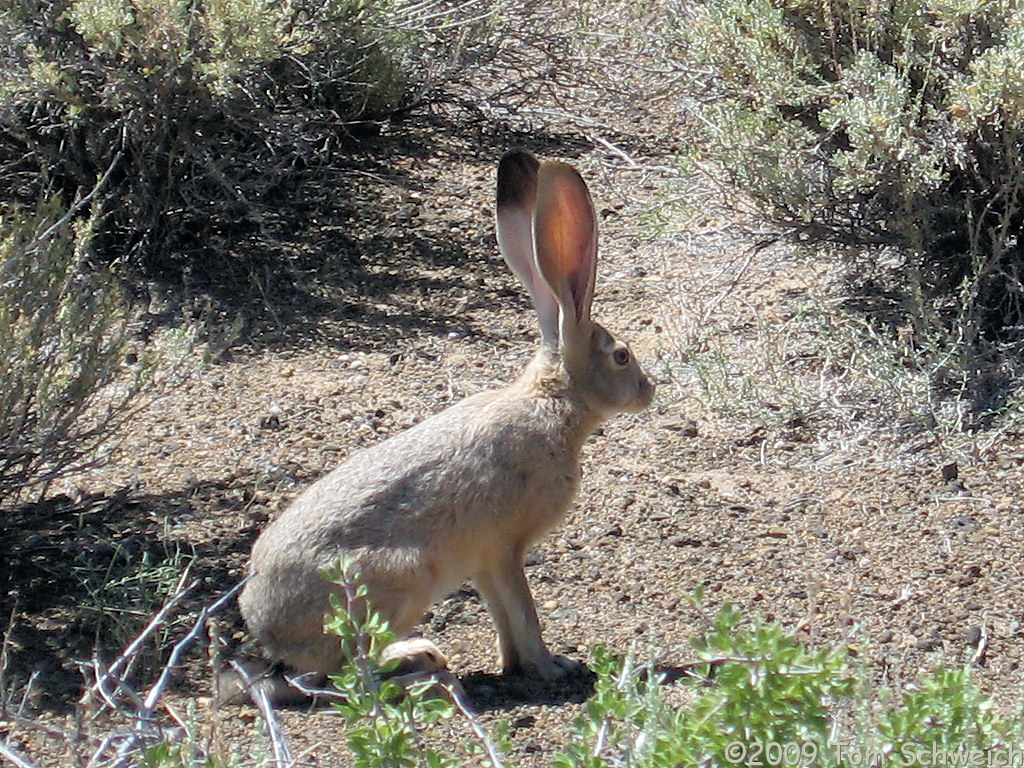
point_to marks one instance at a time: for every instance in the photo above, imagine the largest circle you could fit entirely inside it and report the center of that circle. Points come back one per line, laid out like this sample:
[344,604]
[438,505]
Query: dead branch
[259,695]
[124,662]
[19,760]
[61,223]
[112,687]
[457,694]
[154,694]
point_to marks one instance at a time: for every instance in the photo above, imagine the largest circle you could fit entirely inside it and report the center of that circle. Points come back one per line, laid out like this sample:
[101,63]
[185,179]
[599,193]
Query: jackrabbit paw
[547,668]
[413,655]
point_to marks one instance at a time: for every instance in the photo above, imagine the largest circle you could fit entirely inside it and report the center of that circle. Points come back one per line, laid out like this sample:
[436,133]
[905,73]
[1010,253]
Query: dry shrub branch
[893,131]
[65,343]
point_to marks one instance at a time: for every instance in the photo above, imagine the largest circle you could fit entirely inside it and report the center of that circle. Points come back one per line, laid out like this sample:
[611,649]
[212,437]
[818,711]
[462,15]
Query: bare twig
[155,692]
[19,760]
[594,138]
[5,649]
[62,222]
[259,695]
[129,743]
[458,696]
[103,680]
[123,662]
[109,741]
[978,659]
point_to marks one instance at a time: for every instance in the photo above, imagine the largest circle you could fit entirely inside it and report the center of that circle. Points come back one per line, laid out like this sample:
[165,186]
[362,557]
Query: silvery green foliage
[63,344]
[215,108]
[896,126]
[385,722]
[756,695]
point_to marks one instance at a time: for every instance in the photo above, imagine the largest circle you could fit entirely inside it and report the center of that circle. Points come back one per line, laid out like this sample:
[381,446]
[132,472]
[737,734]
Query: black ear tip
[517,174]
[518,159]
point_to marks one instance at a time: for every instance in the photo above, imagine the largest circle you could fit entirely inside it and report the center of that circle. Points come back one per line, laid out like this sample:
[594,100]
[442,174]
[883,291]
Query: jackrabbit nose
[646,391]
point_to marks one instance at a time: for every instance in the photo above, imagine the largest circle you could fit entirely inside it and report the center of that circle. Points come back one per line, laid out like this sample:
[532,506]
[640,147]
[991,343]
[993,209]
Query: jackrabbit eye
[621,356]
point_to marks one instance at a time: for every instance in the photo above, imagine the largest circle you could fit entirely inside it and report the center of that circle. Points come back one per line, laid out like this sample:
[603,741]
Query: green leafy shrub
[207,113]
[757,696]
[897,126]
[64,341]
[388,721]
[754,685]
[753,695]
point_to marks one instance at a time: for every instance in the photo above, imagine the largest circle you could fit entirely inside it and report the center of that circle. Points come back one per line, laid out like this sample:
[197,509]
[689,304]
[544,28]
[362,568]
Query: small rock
[613,530]
[685,428]
[966,523]
[968,577]
[972,635]
[534,557]
[685,541]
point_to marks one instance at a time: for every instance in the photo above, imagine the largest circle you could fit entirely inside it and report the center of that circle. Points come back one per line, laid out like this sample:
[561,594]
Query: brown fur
[462,495]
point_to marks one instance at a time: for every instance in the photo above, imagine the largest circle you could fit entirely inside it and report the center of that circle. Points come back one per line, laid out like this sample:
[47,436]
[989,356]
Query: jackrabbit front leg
[503,586]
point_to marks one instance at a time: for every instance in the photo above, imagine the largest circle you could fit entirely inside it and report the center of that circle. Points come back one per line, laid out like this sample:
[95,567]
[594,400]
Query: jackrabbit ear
[565,236]
[517,198]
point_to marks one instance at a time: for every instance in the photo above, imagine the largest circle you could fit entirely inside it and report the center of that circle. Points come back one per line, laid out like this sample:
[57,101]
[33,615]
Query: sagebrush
[891,128]
[65,346]
[207,113]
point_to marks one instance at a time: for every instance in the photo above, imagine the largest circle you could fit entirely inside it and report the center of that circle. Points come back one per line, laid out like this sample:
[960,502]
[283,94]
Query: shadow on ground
[488,692]
[81,579]
[352,253]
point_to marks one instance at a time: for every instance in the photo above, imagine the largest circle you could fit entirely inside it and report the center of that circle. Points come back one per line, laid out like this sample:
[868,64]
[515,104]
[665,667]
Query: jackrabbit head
[547,233]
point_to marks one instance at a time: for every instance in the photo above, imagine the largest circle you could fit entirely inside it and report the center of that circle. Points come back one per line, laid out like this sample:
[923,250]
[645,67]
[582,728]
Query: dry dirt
[858,534]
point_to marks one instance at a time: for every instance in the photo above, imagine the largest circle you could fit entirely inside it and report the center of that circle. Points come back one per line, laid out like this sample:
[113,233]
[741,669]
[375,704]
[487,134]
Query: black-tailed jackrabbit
[467,492]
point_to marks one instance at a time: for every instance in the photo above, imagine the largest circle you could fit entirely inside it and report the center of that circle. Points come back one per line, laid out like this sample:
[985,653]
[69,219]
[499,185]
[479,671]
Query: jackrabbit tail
[467,492]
